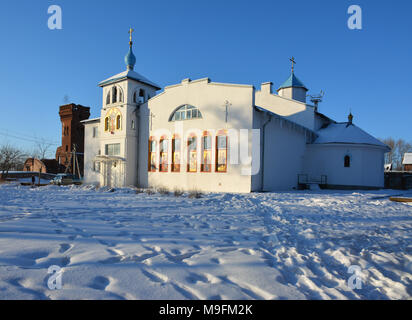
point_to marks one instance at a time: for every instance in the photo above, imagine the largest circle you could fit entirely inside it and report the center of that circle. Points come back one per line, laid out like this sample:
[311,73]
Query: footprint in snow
[64,247]
[100,283]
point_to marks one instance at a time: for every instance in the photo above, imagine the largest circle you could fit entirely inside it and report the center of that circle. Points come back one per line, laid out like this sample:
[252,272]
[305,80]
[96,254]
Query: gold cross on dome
[131,32]
[293,63]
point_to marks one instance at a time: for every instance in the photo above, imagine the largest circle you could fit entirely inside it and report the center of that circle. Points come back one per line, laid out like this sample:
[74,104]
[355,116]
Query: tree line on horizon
[395,156]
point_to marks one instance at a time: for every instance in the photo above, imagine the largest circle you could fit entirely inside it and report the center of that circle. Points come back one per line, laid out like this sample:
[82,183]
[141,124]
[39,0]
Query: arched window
[192,154]
[176,151]
[108,98]
[118,120]
[163,146]
[152,155]
[206,152]
[185,112]
[113,120]
[141,96]
[221,152]
[347,161]
[114,95]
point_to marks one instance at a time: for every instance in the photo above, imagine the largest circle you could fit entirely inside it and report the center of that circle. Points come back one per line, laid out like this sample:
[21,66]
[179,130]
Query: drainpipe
[262,161]
[137,128]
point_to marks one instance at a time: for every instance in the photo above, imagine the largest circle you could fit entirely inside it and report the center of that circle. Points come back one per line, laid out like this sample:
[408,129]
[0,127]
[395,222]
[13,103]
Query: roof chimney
[266,87]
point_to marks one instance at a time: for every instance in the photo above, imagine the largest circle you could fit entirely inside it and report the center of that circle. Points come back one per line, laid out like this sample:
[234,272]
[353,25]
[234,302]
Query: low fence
[398,180]
[24,174]
[304,181]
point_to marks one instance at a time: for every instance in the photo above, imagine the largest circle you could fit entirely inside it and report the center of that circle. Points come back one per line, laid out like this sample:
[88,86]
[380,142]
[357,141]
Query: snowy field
[123,245]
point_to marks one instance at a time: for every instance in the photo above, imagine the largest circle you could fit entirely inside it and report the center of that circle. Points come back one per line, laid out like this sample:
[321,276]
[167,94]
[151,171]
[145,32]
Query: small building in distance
[407,162]
[43,166]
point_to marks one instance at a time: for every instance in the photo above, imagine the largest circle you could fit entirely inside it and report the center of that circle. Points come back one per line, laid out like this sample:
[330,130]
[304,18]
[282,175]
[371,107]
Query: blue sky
[248,42]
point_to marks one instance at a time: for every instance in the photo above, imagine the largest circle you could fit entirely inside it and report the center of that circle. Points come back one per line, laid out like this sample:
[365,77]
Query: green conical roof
[294,82]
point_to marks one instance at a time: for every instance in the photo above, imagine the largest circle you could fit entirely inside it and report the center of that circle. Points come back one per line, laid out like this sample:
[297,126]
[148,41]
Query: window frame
[163,154]
[185,112]
[151,153]
[189,151]
[221,133]
[175,167]
[347,159]
[106,149]
[206,135]
[118,122]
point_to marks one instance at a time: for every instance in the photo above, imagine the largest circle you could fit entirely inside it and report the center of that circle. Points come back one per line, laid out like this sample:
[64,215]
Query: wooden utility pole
[74,159]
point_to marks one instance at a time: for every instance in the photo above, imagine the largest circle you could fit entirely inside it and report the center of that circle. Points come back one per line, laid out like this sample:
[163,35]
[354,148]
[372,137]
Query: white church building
[221,137]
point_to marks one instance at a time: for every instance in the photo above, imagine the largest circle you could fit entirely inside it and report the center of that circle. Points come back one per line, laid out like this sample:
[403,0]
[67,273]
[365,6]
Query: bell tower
[123,96]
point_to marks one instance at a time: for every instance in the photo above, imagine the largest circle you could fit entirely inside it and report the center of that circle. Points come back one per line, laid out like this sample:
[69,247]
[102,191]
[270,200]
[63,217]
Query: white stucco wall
[366,169]
[293,110]
[209,98]
[91,150]
[285,146]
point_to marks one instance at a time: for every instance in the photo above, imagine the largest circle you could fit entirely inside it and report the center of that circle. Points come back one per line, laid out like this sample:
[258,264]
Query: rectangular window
[221,154]
[95,132]
[176,155]
[163,155]
[152,155]
[207,154]
[96,166]
[112,149]
[192,156]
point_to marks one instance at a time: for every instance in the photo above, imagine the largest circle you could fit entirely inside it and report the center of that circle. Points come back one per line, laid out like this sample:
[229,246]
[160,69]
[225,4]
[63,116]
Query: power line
[23,135]
[27,139]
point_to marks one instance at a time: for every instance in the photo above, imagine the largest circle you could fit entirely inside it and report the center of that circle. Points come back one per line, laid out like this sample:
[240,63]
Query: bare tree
[10,158]
[391,143]
[399,148]
[42,149]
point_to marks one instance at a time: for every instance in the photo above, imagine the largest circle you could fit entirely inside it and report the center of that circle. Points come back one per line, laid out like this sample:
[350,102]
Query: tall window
[206,152]
[95,132]
[152,154]
[185,112]
[112,149]
[141,96]
[176,149]
[163,154]
[347,161]
[114,95]
[118,118]
[192,154]
[96,166]
[108,98]
[221,152]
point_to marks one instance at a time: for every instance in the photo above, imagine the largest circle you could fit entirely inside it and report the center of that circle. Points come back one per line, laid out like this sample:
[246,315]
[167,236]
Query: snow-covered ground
[123,245]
